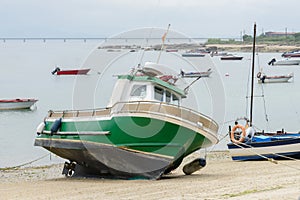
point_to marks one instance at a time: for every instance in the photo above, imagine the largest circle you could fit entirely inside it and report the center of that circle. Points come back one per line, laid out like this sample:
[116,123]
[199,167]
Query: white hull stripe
[78,132]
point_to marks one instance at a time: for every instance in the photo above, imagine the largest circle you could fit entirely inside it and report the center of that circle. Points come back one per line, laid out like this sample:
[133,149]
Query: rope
[207,152]
[265,108]
[230,121]
[269,159]
[287,157]
[263,96]
[27,163]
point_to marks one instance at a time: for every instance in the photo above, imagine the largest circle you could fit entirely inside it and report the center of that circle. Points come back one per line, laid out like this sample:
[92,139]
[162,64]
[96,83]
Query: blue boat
[248,144]
[264,146]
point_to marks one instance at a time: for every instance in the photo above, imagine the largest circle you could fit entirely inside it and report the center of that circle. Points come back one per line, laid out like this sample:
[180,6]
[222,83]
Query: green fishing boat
[144,132]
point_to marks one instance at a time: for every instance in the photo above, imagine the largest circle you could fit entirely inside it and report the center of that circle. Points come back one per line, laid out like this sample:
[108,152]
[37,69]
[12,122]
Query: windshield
[138,91]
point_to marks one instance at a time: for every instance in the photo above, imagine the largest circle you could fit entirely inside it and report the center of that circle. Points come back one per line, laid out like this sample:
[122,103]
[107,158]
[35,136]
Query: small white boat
[231,57]
[193,54]
[287,61]
[262,78]
[195,74]
[216,53]
[15,104]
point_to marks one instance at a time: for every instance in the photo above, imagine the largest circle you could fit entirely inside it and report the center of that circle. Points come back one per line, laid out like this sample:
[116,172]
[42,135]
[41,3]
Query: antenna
[163,42]
[186,89]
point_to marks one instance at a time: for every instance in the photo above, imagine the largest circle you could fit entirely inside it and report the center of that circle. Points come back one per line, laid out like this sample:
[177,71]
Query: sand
[222,178]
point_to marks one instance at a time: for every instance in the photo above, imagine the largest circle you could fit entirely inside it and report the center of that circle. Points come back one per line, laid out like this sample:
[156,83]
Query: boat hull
[291,54]
[193,55]
[275,79]
[275,148]
[17,104]
[231,58]
[96,159]
[287,62]
[196,75]
[73,72]
[128,146]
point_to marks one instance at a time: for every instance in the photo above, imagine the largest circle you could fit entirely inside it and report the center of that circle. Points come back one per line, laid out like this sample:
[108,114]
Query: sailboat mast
[252,74]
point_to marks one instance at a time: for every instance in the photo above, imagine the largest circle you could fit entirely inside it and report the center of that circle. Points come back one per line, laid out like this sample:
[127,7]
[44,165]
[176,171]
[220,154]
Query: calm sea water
[26,72]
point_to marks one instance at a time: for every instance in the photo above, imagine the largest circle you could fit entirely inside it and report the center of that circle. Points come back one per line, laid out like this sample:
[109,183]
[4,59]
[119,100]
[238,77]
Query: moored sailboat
[249,144]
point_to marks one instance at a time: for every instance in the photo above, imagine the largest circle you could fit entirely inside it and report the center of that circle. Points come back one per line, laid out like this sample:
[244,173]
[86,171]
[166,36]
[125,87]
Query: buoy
[193,166]
[40,128]
[56,125]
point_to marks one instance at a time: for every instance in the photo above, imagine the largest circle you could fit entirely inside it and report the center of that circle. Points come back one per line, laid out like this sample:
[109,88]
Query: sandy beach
[222,178]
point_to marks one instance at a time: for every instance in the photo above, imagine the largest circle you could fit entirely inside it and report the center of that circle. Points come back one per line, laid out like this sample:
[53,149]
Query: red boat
[58,71]
[291,54]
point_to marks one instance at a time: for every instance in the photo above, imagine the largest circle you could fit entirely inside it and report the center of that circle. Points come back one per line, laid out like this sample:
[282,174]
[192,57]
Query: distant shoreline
[248,47]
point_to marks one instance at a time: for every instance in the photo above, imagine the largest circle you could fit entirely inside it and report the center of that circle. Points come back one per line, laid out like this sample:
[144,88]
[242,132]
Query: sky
[105,18]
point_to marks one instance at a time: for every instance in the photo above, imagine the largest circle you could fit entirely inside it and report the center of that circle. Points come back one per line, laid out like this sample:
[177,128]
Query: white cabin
[145,87]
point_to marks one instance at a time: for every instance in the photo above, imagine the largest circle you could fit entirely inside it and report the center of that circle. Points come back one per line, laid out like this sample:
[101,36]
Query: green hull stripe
[136,133]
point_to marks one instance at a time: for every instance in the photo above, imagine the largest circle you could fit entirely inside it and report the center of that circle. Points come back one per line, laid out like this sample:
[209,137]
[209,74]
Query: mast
[252,74]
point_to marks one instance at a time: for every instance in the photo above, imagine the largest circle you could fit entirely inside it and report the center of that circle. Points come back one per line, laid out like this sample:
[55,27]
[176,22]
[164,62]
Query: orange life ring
[243,135]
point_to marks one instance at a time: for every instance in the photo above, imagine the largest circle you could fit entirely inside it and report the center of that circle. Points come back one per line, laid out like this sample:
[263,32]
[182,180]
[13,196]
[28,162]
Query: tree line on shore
[262,39]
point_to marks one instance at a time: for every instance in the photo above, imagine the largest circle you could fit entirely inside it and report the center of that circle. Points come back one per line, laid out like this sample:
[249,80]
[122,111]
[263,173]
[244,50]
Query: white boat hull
[275,79]
[196,75]
[192,55]
[287,62]
[16,105]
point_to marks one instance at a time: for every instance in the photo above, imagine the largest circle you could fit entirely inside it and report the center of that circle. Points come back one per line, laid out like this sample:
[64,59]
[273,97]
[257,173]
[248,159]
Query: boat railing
[79,113]
[150,107]
[164,109]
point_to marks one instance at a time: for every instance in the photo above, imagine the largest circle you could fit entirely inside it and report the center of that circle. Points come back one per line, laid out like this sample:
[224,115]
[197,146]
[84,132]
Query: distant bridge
[85,39]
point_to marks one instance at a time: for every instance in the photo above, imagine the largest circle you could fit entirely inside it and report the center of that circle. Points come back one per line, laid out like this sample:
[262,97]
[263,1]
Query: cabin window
[138,91]
[168,96]
[158,93]
[175,99]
